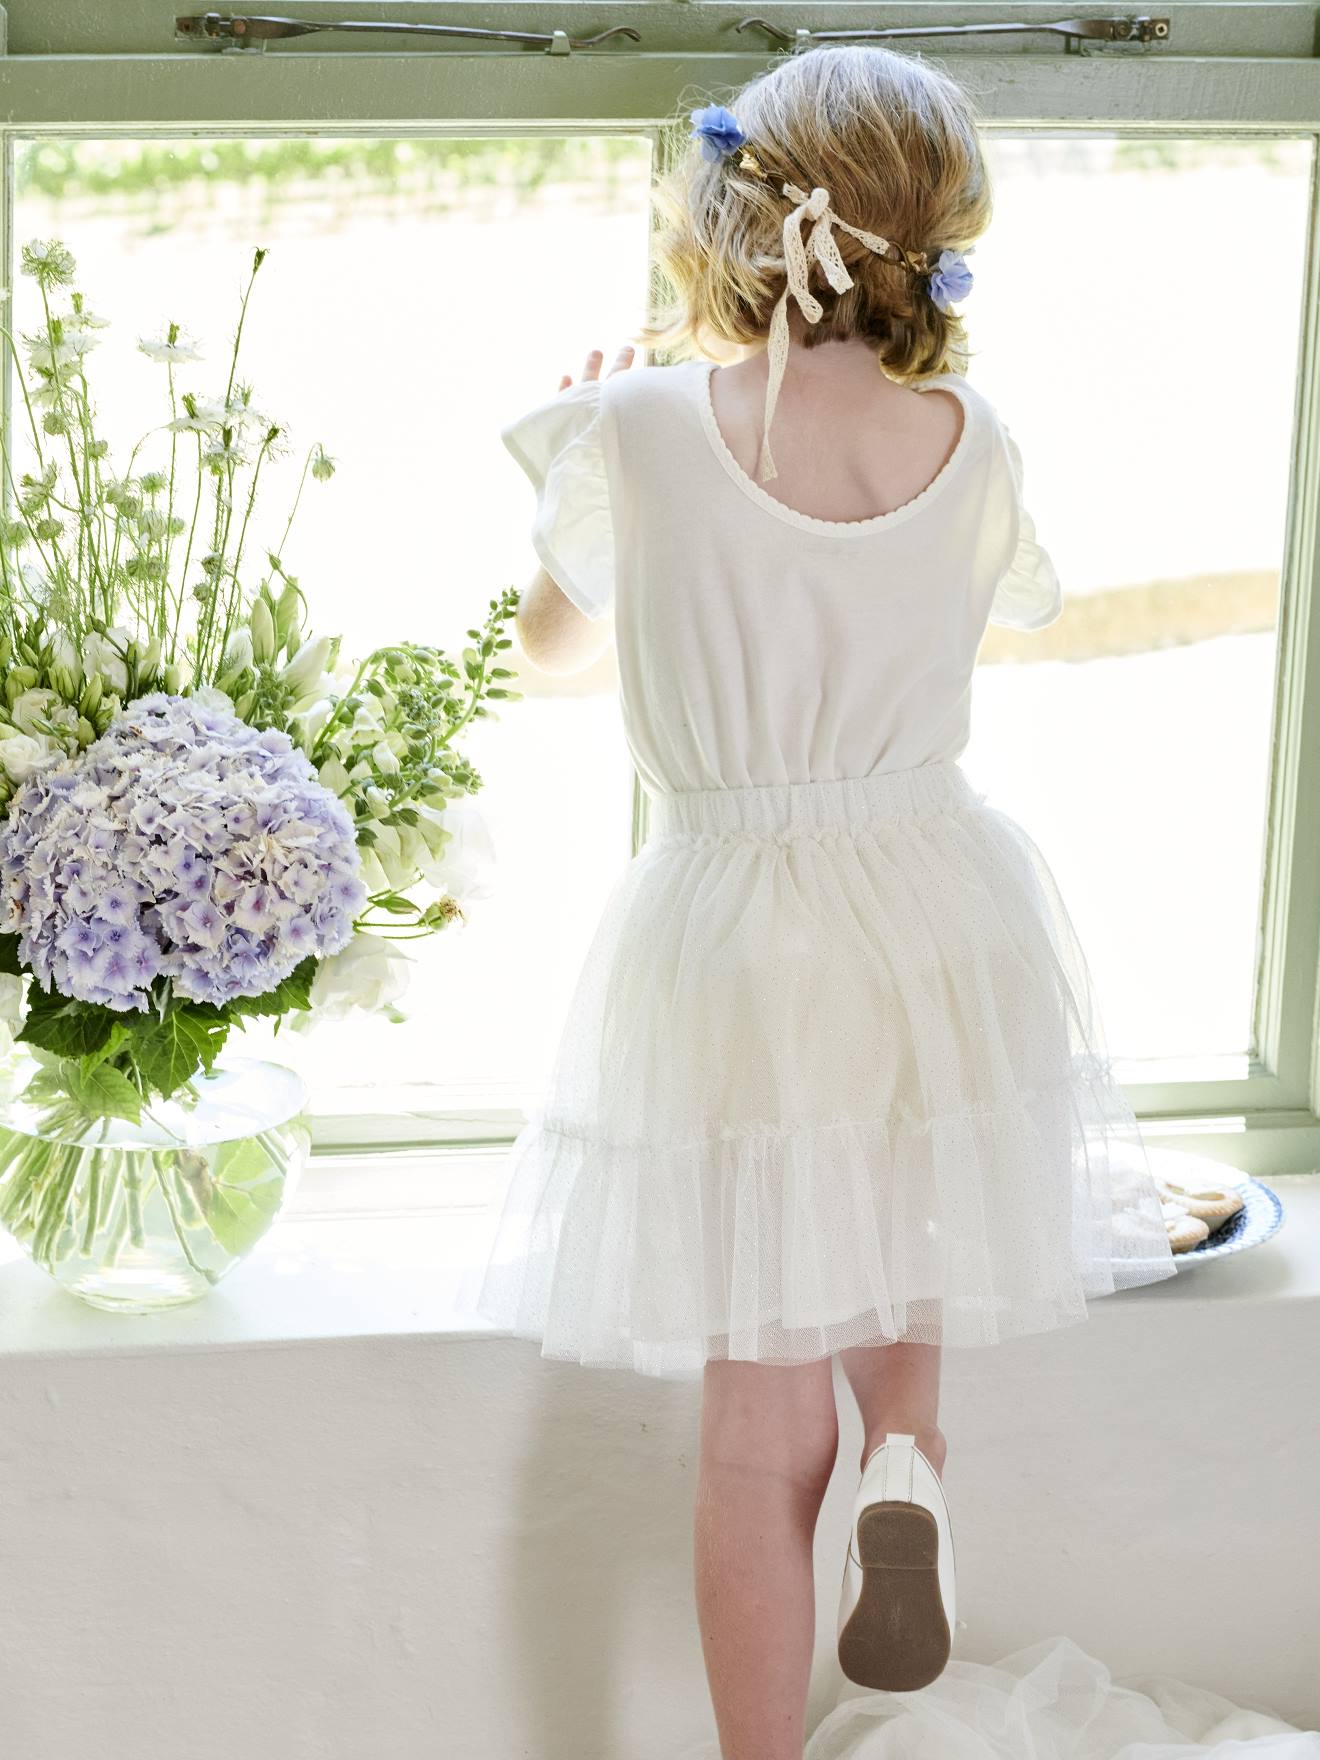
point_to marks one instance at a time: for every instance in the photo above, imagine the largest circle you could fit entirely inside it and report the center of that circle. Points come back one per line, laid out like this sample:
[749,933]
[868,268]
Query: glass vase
[150,1215]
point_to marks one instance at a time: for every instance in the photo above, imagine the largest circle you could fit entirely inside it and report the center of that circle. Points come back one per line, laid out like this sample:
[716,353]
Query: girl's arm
[555,636]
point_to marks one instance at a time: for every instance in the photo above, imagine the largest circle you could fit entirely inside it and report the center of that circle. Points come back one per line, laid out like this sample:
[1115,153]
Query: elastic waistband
[834,803]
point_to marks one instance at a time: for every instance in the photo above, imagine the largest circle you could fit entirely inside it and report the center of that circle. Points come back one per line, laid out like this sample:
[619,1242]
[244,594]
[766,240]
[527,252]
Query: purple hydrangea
[182,844]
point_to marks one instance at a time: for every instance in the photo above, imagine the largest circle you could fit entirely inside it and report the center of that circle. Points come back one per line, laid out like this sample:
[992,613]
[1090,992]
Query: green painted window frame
[1242,69]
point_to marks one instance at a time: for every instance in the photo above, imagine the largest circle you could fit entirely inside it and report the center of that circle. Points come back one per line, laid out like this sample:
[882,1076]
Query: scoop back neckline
[847,528]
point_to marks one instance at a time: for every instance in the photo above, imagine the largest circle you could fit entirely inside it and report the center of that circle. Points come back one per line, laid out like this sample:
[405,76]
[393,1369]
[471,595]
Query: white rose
[367,975]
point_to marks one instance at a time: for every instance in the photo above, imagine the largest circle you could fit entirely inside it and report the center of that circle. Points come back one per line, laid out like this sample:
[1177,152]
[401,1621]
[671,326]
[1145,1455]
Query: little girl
[832,1078]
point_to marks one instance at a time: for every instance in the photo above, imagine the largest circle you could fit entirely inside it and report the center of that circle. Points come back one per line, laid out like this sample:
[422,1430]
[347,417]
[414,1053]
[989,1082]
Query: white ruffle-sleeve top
[758,644]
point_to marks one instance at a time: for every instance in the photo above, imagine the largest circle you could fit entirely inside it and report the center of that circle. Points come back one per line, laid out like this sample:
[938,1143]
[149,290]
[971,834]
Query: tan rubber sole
[897,1637]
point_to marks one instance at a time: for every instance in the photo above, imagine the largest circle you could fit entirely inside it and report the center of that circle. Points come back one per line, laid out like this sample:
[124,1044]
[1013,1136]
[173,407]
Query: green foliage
[294,992]
[244,1194]
[445,170]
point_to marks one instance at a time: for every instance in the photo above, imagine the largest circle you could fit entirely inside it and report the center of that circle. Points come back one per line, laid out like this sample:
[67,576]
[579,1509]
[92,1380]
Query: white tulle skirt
[1053,1702]
[832,1074]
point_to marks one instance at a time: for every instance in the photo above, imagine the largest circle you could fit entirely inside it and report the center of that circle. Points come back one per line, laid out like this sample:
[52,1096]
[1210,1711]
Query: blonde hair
[895,143]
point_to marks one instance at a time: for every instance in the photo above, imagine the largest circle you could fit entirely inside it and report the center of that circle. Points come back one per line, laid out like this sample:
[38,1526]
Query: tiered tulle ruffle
[832,1074]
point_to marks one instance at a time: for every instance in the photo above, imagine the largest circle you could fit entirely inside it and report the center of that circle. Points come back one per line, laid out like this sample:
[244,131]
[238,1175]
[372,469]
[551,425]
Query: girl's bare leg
[769,1438]
[898,1391]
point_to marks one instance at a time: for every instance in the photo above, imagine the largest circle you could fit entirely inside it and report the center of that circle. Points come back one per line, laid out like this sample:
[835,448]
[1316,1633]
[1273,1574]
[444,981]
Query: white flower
[11,1001]
[105,654]
[161,348]
[308,664]
[385,758]
[332,775]
[367,975]
[64,653]
[39,711]
[307,725]
[49,261]
[238,650]
[466,861]
[211,416]
[21,753]
[48,357]
[210,697]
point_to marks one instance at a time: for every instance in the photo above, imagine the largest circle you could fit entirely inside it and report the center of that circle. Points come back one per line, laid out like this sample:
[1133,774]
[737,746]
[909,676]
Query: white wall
[417,1545]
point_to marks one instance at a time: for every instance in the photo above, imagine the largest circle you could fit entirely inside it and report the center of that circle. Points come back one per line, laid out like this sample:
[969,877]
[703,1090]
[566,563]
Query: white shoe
[896,1607]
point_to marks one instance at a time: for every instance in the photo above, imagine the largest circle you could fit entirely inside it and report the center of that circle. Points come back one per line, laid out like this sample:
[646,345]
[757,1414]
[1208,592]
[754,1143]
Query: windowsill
[317,1278]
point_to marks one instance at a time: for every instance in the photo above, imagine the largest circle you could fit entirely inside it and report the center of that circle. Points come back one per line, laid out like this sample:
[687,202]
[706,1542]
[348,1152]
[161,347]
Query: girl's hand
[591,370]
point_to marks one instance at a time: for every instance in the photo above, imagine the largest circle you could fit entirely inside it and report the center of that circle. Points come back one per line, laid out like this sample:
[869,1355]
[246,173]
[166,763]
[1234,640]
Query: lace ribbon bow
[798,257]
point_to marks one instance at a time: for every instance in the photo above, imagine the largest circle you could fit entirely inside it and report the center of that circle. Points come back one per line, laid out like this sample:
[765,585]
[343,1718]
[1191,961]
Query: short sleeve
[1028,595]
[560,445]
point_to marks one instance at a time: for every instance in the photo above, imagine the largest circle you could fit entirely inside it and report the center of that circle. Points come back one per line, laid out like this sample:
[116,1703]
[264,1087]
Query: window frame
[113,67]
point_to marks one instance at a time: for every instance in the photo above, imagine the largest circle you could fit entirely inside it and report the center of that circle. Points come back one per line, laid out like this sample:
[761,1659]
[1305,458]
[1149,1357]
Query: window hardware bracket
[244,33]
[1084,35]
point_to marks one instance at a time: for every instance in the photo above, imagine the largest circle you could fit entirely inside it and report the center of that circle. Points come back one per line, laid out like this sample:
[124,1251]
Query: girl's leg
[898,1390]
[769,1437]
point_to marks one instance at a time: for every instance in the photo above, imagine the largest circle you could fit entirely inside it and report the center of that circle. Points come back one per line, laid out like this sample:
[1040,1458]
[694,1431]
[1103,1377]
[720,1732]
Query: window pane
[1144,353]
[415,297]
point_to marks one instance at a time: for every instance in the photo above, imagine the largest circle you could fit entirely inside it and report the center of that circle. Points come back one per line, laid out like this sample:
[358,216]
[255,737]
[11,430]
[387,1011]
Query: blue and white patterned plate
[1261,1216]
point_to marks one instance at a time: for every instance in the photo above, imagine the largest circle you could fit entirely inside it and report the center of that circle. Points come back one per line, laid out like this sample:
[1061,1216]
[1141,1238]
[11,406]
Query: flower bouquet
[205,818]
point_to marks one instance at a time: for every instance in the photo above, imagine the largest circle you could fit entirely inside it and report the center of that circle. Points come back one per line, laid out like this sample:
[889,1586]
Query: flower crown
[720,134]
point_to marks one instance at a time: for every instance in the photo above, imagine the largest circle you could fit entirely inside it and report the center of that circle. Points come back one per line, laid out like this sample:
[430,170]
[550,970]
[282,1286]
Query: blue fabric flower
[951,279]
[718,131]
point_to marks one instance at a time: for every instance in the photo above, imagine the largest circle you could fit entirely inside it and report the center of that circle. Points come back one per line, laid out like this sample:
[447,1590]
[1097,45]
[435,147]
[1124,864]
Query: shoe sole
[897,1637]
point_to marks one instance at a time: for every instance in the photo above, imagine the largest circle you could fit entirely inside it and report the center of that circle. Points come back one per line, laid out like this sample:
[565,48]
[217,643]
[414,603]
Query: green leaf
[102,1091]
[10,961]
[68,1028]
[171,1050]
[295,991]
[245,1195]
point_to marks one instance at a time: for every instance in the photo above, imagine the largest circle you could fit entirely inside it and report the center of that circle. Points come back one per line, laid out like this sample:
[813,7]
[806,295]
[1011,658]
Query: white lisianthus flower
[105,654]
[38,710]
[66,655]
[22,753]
[465,863]
[161,348]
[238,651]
[368,975]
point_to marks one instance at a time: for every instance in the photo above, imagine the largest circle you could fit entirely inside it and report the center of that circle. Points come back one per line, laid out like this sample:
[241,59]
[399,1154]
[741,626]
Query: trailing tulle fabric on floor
[1052,1702]
[832,1074]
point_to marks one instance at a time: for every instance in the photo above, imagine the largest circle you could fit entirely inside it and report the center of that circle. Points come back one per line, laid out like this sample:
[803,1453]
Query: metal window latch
[248,32]
[1080,31]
